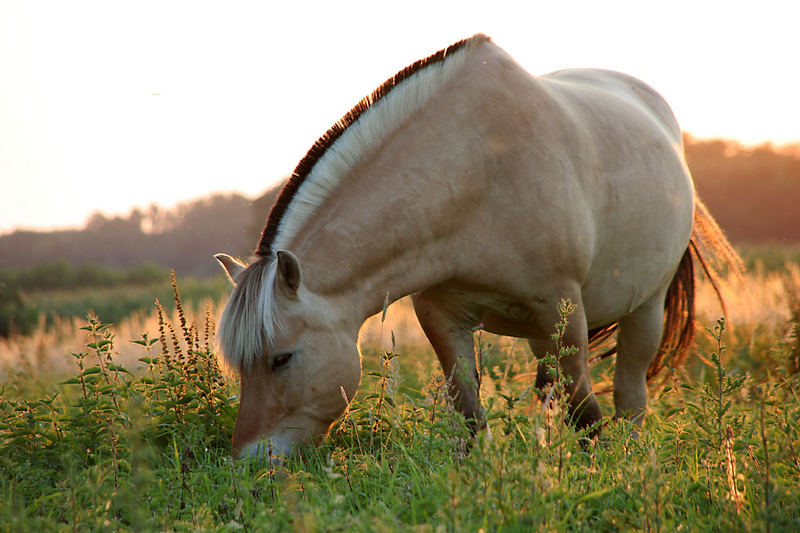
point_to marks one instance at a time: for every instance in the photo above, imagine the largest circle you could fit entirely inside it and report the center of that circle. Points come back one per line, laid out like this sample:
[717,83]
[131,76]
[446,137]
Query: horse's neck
[391,226]
[399,215]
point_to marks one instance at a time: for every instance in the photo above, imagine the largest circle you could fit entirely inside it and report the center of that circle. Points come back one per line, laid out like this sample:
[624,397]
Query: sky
[110,105]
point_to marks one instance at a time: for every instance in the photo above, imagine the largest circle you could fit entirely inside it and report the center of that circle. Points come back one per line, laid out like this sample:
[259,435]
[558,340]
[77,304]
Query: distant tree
[752,192]
[158,220]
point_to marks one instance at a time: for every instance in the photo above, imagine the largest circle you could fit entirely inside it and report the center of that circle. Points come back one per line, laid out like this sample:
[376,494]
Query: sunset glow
[103,108]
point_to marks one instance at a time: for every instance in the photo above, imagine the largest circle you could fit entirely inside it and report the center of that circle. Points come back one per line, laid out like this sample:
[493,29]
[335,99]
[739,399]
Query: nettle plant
[101,417]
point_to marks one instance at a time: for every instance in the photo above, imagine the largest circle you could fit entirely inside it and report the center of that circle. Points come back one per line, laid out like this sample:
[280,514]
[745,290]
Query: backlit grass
[145,445]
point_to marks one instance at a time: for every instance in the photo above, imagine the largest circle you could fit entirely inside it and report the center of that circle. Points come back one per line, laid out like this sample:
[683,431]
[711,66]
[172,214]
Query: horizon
[184,201]
[110,109]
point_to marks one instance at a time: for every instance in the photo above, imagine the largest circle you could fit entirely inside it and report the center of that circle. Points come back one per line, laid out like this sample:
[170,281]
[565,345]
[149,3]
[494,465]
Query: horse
[488,194]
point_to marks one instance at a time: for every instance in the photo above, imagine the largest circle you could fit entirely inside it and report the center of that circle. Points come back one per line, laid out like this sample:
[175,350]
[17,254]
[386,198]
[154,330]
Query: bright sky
[109,105]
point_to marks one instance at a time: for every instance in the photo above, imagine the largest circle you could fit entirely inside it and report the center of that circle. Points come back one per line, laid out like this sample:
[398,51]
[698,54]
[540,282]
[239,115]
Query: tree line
[184,238]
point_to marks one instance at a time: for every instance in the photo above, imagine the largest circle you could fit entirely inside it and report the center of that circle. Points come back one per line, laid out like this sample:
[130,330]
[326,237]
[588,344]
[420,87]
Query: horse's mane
[251,316]
[321,169]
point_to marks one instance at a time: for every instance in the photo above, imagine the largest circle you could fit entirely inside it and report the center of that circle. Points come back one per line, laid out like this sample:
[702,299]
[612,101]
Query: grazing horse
[489,195]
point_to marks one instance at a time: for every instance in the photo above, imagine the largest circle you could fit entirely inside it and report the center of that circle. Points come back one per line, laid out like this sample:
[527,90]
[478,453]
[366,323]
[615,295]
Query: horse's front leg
[451,339]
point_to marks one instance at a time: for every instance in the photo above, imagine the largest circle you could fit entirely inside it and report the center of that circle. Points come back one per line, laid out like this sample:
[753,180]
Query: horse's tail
[709,248]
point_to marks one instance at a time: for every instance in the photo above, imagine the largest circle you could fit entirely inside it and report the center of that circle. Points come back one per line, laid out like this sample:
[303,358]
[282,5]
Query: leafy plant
[99,431]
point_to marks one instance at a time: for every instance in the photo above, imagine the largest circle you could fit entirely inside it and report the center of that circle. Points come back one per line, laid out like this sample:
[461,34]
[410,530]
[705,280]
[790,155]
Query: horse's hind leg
[451,339]
[544,377]
[584,410]
[638,341]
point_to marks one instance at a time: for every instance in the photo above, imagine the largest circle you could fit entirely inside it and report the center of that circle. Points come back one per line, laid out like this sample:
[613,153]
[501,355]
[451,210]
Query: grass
[144,444]
[769,256]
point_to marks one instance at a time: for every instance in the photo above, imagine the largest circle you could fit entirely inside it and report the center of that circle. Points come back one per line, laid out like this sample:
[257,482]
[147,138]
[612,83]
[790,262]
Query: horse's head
[298,361]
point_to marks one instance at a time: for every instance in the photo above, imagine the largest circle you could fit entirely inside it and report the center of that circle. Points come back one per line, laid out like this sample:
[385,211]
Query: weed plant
[115,448]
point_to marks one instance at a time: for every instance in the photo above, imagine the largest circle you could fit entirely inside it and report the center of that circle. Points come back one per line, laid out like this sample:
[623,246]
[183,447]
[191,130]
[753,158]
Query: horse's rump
[716,257]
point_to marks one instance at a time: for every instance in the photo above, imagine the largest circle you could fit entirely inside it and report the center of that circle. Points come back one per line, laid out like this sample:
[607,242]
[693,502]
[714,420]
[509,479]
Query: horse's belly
[515,321]
[510,313]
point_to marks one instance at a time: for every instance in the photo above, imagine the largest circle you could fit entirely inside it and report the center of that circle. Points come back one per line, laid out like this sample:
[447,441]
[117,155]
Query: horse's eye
[280,360]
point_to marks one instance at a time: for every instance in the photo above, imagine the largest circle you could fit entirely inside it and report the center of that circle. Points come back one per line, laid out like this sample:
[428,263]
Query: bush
[60,275]
[16,316]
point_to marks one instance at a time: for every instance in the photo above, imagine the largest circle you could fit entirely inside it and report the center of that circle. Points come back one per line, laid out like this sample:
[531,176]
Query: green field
[146,446]
[48,292]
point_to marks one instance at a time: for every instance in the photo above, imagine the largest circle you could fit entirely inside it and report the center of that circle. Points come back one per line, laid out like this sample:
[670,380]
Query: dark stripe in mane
[316,152]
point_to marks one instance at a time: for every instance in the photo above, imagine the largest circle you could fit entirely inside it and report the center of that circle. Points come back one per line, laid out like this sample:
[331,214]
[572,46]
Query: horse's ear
[288,272]
[231,266]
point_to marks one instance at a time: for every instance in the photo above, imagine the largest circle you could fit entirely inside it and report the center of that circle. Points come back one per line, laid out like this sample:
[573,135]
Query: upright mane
[363,128]
[251,317]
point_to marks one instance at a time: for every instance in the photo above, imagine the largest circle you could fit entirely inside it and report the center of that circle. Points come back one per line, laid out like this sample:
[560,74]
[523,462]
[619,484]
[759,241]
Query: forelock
[250,319]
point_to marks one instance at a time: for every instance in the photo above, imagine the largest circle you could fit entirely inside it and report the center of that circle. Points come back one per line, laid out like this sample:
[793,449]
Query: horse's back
[596,157]
[625,87]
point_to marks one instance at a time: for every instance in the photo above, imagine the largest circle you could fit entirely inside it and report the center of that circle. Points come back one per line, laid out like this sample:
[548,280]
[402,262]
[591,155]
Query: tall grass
[142,442]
